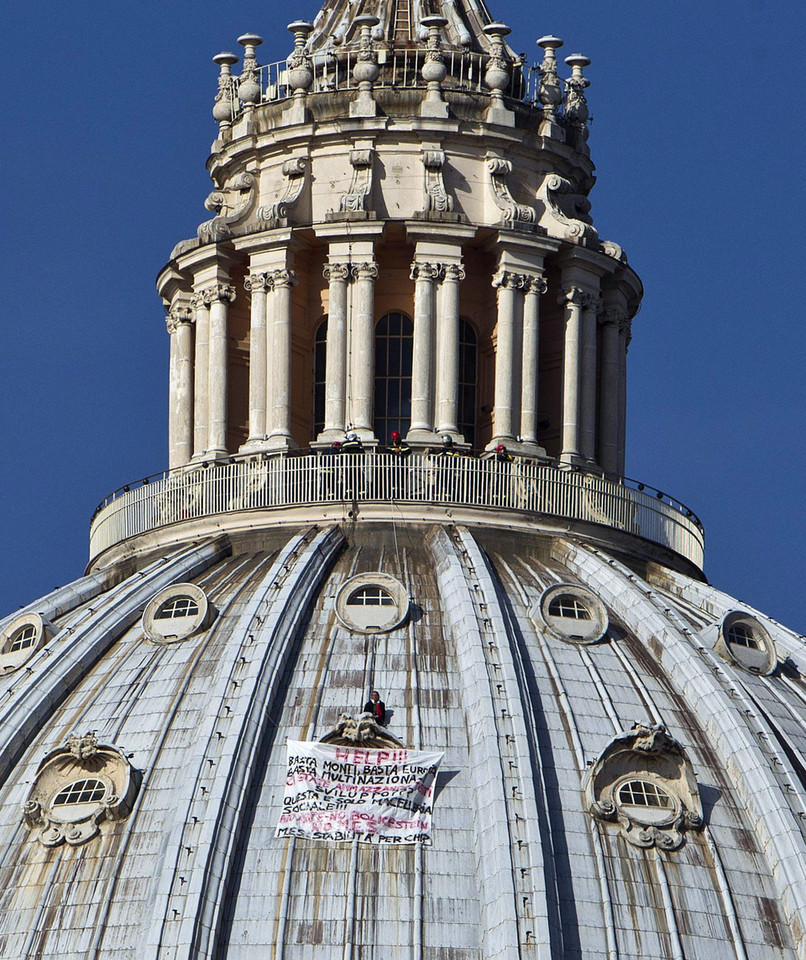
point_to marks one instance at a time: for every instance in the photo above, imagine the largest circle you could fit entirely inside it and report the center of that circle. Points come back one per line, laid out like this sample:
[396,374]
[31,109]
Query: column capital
[283,278]
[535,285]
[575,297]
[336,271]
[613,313]
[216,292]
[426,270]
[453,272]
[179,314]
[365,271]
[256,282]
[509,280]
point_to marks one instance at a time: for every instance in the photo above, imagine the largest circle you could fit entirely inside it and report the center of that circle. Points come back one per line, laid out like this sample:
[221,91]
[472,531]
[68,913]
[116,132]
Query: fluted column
[221,295]
[282,282]
[258,285]
[180,425]
[448,352]
[534,288]
[425,276]
[506,413]
[337,276]
[590,313]
[610,390]
[363,348]
[201,370]
[574,300]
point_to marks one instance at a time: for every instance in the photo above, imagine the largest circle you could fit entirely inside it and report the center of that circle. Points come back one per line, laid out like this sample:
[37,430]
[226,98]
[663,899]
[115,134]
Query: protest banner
[345,793]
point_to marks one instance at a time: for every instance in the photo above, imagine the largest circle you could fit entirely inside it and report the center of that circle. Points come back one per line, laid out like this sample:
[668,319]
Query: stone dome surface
[519,866]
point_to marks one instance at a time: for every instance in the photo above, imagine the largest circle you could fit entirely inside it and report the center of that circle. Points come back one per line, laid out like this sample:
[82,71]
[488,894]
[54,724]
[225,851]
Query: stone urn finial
[576,105]
[366,70]
[249,90]
[434,70]
[497,75]
[550,93]
[224,106]
[300,72]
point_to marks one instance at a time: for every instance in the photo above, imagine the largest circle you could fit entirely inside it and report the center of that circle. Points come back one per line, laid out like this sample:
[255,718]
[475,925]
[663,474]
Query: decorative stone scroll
[78,787]
[232,205]
[178,314]
[643,781]
[276,214]
[571,228]
[356,200]
[437,199]
[514,213]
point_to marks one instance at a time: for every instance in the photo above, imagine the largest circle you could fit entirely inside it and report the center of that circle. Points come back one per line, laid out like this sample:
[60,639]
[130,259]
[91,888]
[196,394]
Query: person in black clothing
[398,447]
[376,707]
[352,443]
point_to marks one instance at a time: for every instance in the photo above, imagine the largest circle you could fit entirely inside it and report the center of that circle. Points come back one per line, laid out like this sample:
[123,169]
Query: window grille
[23,638]
[394,338]
[370,597]
[568,606]
[80,791]
[644,793]
[742,635]
[319,378]
[177,607]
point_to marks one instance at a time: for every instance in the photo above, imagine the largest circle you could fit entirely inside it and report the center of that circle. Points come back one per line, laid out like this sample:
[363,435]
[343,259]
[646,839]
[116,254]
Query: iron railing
[523,485]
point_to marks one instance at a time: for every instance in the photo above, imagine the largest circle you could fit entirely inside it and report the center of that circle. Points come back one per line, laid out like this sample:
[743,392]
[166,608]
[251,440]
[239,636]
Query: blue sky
[698,141]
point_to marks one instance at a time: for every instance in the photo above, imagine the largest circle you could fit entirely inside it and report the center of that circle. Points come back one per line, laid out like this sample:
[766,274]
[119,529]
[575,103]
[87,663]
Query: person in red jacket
[376,707]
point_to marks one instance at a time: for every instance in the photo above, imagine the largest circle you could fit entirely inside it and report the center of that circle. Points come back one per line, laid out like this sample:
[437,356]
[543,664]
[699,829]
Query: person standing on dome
[398,447]
[376,707]
[400,452]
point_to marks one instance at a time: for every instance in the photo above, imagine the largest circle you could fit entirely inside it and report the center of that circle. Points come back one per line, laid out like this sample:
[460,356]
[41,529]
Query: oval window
[21,639]
[372,603]
[747,643]
[79,799]
[176,613]
[645,802]
[573,613]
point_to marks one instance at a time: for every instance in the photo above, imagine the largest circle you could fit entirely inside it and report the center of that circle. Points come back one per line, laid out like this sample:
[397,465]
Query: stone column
[625,335]
[221,295]
[201,306]
[574,299]
[337,275]
[448,352]
[282,282]
[506,412]
[590,313]
[610,390]
[180,425]
[533,289]
[258,285]
[425,276]
[363,348]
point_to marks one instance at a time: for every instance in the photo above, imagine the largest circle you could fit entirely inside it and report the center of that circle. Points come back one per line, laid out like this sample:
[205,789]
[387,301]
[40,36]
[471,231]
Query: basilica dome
[397,445]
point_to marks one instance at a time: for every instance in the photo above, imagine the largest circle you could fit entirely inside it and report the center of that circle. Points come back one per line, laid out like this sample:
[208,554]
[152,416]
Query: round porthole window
[21,639]
[743,640]
[176,613]
[372,603]
[574,613]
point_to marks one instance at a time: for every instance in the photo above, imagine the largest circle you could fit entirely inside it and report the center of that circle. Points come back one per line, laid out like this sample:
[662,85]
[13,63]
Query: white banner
[352,793]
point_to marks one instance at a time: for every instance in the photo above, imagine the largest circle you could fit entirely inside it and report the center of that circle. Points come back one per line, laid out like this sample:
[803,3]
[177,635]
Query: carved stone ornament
[614,250]
[217,291]
[509,280]
[276,214]
[178,314]
[643,781]
[357,198]
[232,205]
[437,199]
[557,195]
[499,170]
[423,270]
[78,787]
[336,272]
[363,730]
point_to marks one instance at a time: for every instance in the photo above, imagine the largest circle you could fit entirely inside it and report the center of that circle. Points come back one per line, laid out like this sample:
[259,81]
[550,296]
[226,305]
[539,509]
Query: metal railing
[523,485]
[400,70]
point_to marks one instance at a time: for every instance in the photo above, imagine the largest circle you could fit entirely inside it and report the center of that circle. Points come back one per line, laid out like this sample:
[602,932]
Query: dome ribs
[515,909]
[267,631]
[73,653]
[742,753]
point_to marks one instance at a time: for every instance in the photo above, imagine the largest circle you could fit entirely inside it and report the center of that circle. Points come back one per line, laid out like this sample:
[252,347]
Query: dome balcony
[527,494]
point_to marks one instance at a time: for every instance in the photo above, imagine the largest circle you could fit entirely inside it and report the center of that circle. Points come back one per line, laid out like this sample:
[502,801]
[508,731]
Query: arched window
[394,336]
[319,363]
[468,374]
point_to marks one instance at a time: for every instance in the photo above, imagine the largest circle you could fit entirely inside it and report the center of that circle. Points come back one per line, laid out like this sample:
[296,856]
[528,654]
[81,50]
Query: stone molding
[514,212]
[570,227]
[232,204]
[356,200]
[437,199]
[276,214]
